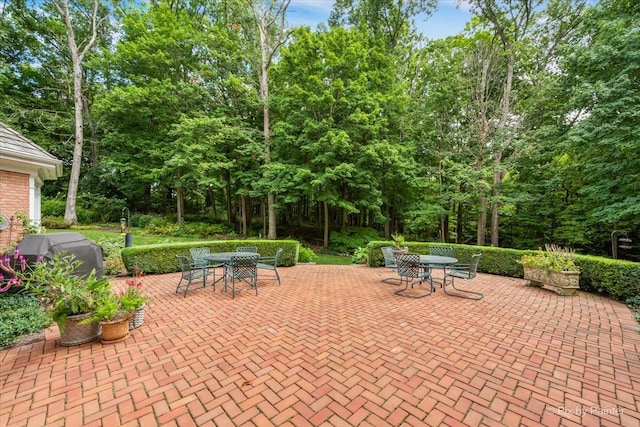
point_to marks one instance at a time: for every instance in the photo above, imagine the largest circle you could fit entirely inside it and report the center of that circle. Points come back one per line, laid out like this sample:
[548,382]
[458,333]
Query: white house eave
[44,168]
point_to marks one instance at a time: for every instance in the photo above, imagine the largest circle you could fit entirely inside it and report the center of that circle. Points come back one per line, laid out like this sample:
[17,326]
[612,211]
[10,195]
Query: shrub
[20,314]
[161,258]
[306,255]
[110,245]
[113,265]
[54,223]
[352,239]
[360,256]
[161,226]
[634,305]
[201,229]
[140,220]
[97,208]
[53,207]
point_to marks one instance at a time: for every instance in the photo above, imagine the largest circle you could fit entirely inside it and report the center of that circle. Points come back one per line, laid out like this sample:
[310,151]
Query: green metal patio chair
[242,268]
[465,272]
[270,263]
[198,254]
[190,273]
[389,262]
[409,269]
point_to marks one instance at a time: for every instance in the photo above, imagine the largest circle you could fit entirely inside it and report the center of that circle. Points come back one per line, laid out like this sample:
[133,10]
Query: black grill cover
[85,250]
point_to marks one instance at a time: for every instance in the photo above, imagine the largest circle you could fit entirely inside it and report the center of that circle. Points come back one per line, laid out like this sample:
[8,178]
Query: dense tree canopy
[523,130]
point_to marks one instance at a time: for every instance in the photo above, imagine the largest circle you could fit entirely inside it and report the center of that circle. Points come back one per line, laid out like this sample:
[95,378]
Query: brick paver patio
[333,346]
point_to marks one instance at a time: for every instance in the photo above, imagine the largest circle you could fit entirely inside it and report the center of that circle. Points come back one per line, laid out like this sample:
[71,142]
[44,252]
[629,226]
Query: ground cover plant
[20,314]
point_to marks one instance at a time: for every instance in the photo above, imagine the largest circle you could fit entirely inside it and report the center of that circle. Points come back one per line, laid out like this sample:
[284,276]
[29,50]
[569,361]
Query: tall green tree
[268,17]
[77,51]
[165,70]
[339,104]
[601,78]
[513,25]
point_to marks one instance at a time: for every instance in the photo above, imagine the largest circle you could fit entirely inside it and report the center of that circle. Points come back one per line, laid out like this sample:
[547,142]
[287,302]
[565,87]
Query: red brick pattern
[333,346]
[14,197]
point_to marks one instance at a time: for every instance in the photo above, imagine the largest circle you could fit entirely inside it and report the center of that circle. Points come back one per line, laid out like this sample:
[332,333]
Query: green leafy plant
[634,305]
[354,237]
[360,256]
[28,226]
[55,282]
[398,241]
[107,308]
[306,255]
[133,298]
[20,314]
[553,258]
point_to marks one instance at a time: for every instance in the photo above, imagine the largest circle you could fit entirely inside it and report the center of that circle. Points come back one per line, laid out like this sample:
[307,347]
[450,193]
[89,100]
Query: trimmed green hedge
[161,258]
[616,278]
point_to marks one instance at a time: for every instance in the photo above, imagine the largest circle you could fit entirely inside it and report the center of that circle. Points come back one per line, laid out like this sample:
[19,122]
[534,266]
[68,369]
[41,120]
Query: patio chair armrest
[460,266]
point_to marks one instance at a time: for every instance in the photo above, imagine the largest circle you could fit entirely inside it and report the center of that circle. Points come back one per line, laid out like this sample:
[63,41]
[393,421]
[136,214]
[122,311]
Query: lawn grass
[327,259]
[138,236]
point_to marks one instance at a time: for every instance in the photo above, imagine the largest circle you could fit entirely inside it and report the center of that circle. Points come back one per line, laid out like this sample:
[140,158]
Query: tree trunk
[265,16]
[77,56]
[495,220]
[444,229]
[482,222]
[325,241]
[227,196]
[243,216]
[460,224]
[70,214]
[180,204]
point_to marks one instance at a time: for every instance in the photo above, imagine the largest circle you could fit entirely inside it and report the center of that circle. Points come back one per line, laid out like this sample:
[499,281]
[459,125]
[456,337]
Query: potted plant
[134,300]
[399,243]
[554,268]
[113,317]
[67,297]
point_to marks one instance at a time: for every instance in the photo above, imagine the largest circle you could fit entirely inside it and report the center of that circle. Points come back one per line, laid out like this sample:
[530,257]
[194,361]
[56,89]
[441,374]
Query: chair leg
[395,281]
[400,292]
[233,287]
[186,289]
[277,275]
[472,295]
[179,284]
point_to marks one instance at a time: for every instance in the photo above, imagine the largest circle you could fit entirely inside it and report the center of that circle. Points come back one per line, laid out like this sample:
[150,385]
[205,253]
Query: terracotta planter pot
[115,330]
[74,333]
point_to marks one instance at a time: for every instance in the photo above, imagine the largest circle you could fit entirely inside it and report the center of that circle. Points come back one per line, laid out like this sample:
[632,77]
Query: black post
[128,240]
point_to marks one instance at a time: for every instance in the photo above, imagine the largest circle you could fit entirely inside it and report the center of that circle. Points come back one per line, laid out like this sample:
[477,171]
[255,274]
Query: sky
[446,21]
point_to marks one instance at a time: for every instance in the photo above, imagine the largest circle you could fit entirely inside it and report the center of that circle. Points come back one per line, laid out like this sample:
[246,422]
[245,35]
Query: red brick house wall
[14,197]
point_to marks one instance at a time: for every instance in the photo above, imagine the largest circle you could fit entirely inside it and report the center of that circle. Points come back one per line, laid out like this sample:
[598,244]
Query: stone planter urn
[564,283]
